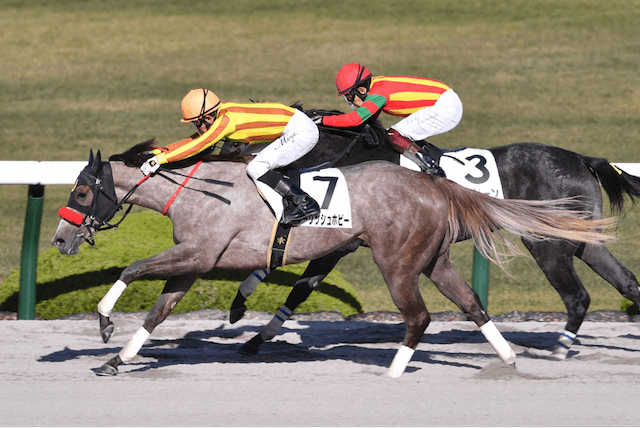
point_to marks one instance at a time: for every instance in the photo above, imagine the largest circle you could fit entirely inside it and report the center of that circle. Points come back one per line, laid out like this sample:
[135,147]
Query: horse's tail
[478,216]
[615,182]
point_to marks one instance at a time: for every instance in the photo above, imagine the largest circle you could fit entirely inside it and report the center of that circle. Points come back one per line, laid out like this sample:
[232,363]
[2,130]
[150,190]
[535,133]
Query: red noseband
[71,216]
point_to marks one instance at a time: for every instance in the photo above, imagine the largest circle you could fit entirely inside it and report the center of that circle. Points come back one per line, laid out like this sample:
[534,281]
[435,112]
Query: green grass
[106,74]
[75,284]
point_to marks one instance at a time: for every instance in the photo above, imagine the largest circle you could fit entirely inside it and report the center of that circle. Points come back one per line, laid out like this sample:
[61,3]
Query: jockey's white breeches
[441,117]
[298,138]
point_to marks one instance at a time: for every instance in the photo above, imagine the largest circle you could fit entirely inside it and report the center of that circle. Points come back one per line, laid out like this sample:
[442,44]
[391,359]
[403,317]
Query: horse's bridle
[104,204]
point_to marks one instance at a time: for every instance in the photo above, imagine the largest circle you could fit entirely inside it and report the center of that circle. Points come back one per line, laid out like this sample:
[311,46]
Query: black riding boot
[412,151]
[426,162]
[300,205]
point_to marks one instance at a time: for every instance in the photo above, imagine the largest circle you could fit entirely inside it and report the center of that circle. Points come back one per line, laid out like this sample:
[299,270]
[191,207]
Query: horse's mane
[138,154]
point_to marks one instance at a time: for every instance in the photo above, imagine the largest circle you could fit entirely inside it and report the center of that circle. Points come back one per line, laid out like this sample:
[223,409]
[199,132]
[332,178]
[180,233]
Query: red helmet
[351,76]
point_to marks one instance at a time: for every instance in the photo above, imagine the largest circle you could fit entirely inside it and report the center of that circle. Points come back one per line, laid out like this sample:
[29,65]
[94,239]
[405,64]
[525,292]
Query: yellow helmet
[198,103]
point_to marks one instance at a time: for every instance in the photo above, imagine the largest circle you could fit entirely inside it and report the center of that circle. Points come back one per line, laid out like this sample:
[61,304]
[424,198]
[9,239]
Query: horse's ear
[97,163]
[90,156]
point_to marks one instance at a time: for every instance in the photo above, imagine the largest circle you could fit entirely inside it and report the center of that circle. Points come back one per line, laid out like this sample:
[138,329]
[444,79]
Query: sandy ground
[316,374]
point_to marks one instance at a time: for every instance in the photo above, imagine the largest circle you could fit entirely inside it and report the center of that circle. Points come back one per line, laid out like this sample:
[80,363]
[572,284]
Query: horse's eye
[83,195]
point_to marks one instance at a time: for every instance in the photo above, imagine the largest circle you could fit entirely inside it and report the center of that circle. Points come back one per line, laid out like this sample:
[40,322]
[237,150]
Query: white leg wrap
[271,329]
[109,300]
[498,342]
[400,361]
[250,284]
[564,344]
[132,348]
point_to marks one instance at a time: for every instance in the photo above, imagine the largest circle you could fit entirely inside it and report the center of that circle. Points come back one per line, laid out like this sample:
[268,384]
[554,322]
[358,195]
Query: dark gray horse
[220,221]
[529,171]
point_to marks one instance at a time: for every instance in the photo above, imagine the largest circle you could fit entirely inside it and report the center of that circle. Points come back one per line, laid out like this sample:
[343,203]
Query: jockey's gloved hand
[317,119]
[150,166]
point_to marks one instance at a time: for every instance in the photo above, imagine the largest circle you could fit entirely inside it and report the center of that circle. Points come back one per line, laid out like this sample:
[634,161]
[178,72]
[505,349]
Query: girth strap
[277,255]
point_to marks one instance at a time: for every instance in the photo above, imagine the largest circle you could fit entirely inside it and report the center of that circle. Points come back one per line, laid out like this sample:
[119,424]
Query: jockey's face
[353,100]
[203,124]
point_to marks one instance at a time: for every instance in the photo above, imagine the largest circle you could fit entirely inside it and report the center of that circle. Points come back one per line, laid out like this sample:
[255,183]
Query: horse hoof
[248,349]
[107,332]
[106,370]
[558,356]
[237,314]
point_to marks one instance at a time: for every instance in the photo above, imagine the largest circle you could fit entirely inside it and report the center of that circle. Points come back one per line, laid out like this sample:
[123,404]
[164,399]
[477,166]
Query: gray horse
[220,221]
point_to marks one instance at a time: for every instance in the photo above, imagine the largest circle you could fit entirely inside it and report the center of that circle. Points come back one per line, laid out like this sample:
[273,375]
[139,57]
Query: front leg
[174,261]
[174,290]
[106,306]
[106,328]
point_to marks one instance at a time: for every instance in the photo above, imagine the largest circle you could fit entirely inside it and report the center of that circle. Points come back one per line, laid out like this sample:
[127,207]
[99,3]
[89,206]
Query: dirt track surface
[316,373]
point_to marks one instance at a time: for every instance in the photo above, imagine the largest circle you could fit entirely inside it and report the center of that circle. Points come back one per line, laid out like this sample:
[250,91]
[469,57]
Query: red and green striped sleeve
[371,106]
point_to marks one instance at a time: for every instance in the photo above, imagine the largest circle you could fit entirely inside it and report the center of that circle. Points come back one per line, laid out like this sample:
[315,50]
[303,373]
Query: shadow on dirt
[321,341]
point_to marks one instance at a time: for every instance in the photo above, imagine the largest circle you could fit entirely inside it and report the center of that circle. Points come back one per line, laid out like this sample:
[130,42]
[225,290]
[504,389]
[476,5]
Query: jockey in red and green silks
[428,107]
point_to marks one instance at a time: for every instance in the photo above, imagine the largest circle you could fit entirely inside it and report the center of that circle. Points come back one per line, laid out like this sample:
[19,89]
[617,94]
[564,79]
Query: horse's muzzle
[68,238]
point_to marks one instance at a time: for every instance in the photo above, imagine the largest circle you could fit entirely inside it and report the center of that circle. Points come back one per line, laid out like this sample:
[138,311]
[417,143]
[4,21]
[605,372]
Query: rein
[104,224]
[179,189]
[101,183]
[345,152]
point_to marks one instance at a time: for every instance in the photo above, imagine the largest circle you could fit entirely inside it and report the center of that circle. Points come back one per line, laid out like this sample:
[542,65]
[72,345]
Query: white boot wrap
[109,300]
[564,344]
[132,348]
[400,361]
[498,342]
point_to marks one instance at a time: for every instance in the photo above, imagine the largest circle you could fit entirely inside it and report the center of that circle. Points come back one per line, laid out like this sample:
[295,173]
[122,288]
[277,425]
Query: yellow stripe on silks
[415,81]
[413,96]
[618,170]
[404,111]
[255,117]
[246,133]
[176,153]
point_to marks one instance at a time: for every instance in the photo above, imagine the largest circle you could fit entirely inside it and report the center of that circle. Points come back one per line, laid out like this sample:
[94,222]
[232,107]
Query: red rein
[77,218]
[179,189]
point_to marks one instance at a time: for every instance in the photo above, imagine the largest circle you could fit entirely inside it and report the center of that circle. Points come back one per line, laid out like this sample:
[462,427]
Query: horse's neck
[155,192]
[125,178]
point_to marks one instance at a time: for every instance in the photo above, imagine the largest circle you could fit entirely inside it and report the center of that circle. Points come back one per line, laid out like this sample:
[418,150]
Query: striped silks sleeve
[188,147]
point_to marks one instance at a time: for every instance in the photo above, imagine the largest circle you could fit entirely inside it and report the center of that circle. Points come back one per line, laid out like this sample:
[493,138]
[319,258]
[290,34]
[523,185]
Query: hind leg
[402,280]
[555,258]
[611,270]
[174,290]
[246,289]
[315,273]
[453,287]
